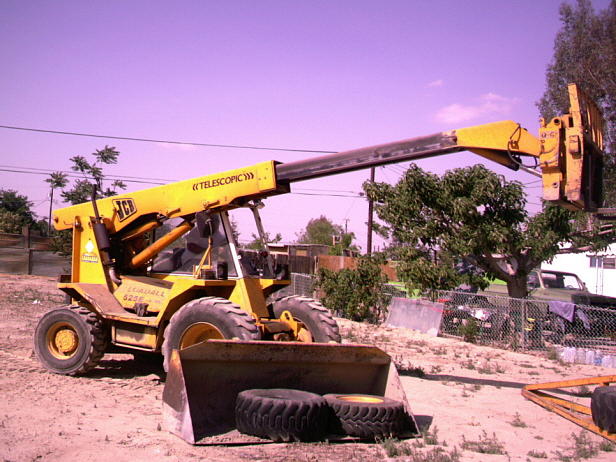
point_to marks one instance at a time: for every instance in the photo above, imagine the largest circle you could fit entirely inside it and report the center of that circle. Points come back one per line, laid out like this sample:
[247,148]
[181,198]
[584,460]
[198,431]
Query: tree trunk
[50,209]
[517,288]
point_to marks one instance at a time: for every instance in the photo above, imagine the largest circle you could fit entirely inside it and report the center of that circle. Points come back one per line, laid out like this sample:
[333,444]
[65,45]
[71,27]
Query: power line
[328,195]
[150,140]
[144,180]
[72,175]
[72,172]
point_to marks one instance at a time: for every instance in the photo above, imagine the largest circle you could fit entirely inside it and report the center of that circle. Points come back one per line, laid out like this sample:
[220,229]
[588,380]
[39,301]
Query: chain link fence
[301,284]
[576,333]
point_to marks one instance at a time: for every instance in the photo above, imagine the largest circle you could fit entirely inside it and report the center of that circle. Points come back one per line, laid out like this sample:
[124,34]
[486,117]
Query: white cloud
[488,104]
[436,83]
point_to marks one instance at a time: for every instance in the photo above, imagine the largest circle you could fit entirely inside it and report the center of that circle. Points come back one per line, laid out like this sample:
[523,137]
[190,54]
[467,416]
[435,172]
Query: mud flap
[204,380]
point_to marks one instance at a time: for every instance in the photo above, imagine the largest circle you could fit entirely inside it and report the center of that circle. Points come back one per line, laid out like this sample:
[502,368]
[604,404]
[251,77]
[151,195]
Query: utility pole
[50,210]
[370,213]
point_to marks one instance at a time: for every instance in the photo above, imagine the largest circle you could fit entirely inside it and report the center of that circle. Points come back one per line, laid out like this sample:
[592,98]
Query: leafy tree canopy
[57,180]
[12,201]
[15,212]
[319,231]
[323,231]
[585,53]
[358,293]
[469,215]
[81,190]
[256,243]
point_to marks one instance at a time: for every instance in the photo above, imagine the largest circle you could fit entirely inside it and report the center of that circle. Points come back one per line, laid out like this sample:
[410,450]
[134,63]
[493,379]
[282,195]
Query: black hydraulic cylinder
[373,156]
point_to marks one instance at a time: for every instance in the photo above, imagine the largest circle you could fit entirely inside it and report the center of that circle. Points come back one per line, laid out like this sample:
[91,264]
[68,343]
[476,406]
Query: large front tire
[70,340]
[317,322]
[206,319]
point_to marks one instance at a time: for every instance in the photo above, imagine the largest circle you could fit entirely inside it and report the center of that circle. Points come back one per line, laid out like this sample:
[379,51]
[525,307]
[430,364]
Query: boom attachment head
[571,157]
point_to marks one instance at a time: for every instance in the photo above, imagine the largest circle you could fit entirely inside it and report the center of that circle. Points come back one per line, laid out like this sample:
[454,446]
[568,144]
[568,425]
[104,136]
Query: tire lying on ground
[281,414]
[603,408]
[366,416]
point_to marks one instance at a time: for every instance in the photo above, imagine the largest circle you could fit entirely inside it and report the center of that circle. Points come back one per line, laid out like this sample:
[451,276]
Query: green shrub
[356,294]
[469,330]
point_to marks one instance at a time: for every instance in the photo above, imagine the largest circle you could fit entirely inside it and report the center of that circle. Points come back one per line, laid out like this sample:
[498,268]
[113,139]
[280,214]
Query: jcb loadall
[128,290]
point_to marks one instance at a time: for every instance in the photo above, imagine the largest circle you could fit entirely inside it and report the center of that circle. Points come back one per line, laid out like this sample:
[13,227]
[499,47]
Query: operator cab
[209,251]
[205,248]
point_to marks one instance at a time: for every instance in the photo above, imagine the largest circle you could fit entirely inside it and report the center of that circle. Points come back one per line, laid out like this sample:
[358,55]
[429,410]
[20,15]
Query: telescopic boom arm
[568,151]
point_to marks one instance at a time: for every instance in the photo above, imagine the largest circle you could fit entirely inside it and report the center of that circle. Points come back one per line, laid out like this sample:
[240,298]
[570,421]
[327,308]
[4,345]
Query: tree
[323,231]
[15,212]
[82,188]
[319,231]
[256,243]
[469,215]
[585,53]
[56,180]
[344,245]
[356,294]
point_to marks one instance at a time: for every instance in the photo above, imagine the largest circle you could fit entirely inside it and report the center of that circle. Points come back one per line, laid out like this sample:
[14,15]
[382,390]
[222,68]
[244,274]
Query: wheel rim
[62,340]
[200,332]
[360,399]
[304,335]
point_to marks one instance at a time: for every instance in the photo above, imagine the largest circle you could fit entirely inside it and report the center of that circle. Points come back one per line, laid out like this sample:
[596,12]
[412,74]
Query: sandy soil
[468,394]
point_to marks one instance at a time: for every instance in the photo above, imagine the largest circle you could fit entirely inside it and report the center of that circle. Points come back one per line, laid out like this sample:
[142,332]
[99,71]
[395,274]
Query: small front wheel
[70,340]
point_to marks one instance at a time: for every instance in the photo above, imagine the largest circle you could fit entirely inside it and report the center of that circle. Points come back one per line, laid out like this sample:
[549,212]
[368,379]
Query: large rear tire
[205,319]
[603,408]
[281,414]
[70,340]
[318,324]
[366,416]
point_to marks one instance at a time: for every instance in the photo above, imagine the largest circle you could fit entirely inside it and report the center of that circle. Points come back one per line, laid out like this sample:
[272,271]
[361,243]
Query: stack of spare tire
[283,414]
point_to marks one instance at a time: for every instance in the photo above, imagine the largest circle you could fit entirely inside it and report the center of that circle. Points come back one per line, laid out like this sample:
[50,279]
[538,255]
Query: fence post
[25,232]
[30,260]
[524,325]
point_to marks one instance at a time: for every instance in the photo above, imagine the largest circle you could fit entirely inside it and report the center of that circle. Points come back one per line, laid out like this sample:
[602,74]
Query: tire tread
[298,416]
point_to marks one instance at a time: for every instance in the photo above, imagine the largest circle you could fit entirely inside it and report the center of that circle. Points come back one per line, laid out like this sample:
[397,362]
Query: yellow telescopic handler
[233,351]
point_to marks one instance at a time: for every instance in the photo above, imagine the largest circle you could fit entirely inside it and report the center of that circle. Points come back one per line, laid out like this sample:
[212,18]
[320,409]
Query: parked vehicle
[593,314]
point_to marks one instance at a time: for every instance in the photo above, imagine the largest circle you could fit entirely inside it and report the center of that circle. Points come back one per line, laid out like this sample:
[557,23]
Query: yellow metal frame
[576,413]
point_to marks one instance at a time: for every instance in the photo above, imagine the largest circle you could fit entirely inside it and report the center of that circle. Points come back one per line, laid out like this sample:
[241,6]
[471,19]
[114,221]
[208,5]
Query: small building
[299,250]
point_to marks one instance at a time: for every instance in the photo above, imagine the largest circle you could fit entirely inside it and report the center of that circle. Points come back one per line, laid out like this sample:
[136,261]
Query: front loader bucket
[204,380]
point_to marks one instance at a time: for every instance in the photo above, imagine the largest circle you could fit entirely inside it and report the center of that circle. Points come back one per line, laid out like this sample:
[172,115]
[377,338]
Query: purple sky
[331,75]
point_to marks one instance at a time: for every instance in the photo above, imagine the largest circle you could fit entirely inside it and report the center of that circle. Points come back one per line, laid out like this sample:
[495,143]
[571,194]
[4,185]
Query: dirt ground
[468,400]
